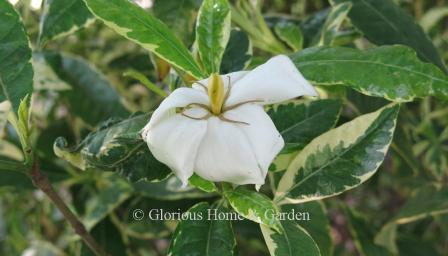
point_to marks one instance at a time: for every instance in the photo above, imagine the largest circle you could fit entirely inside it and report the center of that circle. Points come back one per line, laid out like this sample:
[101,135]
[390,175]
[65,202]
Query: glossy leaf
[299,123]
[333,22]
[16,71]
[212,33]
[339,159]
[238,52]
[253,206]
[363,235]
[134,23]
[392,72]
[201,234]
[62,17]
[385,23]
[92,97]
[292,240]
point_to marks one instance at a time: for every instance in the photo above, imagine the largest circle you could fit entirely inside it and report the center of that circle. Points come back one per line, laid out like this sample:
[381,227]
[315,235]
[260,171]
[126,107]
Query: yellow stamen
[216,93]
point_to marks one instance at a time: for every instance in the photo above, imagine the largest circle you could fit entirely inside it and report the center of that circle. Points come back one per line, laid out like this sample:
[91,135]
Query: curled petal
[225,154]
[175,142]
[275,81]
[177,99]
[263,136]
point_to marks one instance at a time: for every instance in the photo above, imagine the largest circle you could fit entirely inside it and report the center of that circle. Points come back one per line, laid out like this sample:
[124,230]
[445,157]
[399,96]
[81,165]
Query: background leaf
[238,52]
[92,97]
[384,23]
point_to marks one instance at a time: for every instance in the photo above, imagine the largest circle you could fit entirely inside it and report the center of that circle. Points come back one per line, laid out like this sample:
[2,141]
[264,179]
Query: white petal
[225,154]
[234,77]
[175,141]
[179,98]
[263,136]
[275,81]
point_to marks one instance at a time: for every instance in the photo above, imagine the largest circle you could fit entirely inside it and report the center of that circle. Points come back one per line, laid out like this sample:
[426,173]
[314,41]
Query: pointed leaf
[339,159]
[333,22]
[212,33]
[134,23]
[391,72]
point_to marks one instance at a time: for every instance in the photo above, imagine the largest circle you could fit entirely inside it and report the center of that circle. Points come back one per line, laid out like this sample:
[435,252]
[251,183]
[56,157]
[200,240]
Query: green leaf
[427,201]
[318,225]
[113,191]
[62,17]
[291,34]
[16,71]
[392,72]
[363,235]
[292,240]
[92,97]
[202,184]
[299,123]
[212,33]
[333,22]
[339,159]
[253,206]
[5,107]
[238,53]
[168,189]
[134,23]
[202,234]
[385,23]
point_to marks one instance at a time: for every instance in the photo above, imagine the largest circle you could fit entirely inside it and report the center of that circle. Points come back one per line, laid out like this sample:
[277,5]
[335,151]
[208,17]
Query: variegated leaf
[391,72]
[333,22]
[292,240]
[212,33]
[134,23]
[253,206]
[339,159]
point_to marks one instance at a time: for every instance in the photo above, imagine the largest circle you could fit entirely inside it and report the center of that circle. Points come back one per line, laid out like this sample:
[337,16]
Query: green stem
[145,81]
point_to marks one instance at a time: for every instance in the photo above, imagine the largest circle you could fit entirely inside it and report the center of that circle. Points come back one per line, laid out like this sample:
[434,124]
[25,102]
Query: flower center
[218,96]
[216,93]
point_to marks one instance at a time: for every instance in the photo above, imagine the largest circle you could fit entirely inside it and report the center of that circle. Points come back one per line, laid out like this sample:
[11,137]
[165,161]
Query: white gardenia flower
[219,130]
